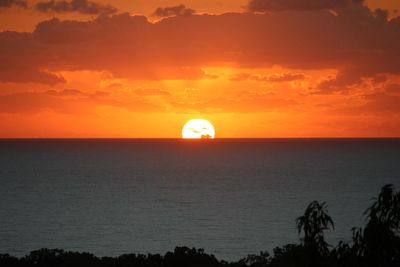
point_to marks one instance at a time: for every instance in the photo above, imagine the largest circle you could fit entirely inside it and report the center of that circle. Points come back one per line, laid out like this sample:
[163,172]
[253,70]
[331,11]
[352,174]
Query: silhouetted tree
[347,255]
[313,224]
[57,257]
[252,260]
[380,239]
[189,257]
[386,208]
[291,255]
[7,260]
[378,244]
[314,249]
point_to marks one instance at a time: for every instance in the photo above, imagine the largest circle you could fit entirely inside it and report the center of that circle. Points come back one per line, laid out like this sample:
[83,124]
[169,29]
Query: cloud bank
[356,41]
[179,10]
[10,3]
[299,5]
[81,6]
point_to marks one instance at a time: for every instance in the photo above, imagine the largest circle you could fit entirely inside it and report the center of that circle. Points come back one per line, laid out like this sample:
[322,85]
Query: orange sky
[255,68]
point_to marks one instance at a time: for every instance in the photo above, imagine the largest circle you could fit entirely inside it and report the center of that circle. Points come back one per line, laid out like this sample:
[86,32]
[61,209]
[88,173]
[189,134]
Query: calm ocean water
[231,197]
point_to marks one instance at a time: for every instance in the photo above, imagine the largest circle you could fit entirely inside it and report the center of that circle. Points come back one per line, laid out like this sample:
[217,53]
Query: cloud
[379,103]
[10,3]
[379,78]
[285,77]
[33,102]
[179,10]
[393,88]
[241,77]
[81,6]
[382,105]
[15,74]
[65,92]
[277,77]
[255,103]
[342,82]
[69,101]
[21,60]
[299,5]
[355,42]
[151,92]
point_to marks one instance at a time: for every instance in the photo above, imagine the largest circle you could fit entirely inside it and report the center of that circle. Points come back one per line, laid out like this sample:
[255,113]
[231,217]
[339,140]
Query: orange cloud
[151,92]
[287,71]
[277,77]
[178,47]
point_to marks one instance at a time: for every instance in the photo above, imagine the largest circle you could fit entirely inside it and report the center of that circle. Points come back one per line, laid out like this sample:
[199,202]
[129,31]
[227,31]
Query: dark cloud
[179,10]
[10,3]
[393,88]
[81,6]
[16,74]
[21,60]
[379,78]
[355,42]
[342,82]
[282,5]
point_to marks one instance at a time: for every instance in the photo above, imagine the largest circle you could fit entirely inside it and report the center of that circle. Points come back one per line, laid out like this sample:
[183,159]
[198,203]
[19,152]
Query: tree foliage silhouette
[313,224]
[380,239]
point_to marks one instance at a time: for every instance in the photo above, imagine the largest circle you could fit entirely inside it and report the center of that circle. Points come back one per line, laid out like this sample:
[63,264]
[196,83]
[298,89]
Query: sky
[253,68]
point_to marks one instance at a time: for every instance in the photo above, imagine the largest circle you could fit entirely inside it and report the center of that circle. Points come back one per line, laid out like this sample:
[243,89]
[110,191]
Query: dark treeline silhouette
[375,245]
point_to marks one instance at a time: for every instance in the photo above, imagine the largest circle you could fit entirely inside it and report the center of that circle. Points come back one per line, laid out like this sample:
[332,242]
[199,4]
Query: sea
[232,197]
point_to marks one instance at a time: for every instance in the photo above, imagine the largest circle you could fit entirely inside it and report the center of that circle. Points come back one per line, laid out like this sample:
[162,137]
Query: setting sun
[198,129]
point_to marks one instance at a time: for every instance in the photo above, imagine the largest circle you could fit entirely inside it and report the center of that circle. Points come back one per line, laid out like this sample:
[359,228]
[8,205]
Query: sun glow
[198,129]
